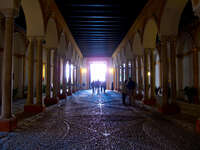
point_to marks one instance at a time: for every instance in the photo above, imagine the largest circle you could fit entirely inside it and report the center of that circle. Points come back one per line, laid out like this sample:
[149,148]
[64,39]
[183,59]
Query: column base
[50,101]
[35,109]
[170,109]
[7,125]
[150,102]
[62,96]
[198,126]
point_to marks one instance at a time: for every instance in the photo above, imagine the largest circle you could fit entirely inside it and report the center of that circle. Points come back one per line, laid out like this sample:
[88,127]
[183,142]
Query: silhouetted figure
[93,86]
[97,86]
[131,85]
[104,86]
[101,87]
[112,86]
[124,92]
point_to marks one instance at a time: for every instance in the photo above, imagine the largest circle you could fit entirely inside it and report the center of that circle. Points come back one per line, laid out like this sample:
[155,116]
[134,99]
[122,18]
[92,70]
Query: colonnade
[36,45]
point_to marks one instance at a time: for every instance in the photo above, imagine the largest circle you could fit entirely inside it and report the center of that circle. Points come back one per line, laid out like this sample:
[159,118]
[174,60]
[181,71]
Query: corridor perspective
[99,74]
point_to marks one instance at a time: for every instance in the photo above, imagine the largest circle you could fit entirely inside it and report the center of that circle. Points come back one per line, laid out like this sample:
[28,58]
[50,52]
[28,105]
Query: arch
[62,46]
[150,34]
[195,4]
[122,55]
[128,51]
[118,59]
[137,45]
[51,34]
[171,16]
[69,51]
[34,21]
[184,43]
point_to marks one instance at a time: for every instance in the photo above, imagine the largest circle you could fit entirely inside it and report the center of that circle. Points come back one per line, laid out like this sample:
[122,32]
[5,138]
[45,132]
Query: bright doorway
[98,71]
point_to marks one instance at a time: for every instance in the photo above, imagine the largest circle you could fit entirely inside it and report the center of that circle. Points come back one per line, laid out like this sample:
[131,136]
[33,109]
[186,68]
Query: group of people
[128,89]
[97,86]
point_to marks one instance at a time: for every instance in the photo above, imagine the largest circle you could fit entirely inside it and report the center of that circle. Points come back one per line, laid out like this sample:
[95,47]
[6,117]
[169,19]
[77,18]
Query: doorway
[98,70]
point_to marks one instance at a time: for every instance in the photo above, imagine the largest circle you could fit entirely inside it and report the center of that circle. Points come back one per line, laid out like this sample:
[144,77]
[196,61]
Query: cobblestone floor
[87,122]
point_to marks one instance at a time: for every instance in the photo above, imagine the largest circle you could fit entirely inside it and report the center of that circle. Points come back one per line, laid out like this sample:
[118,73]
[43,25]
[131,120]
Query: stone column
[152,74]
[165,68]
[81,75]
[76,87]
[64,77]
[55,74]
[122,70]
[196,10]
[74,79]
[7,121]
[78,77]
[146,78]
[133,69]
[139,75]
[196,71]
[180,73]
[127,70]
[173,67]
[29,100]
[118,77]
[7,66]
[69,82]
[48,74]
[39,72]
[58,76]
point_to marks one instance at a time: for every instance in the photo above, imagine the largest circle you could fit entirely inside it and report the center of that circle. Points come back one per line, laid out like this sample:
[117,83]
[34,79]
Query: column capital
[9,12]
[197,11]
[39,38]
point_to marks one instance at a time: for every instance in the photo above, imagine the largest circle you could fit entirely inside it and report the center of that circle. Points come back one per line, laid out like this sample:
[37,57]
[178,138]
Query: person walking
[104,86]
[131,85]
[92,85]
[124,92]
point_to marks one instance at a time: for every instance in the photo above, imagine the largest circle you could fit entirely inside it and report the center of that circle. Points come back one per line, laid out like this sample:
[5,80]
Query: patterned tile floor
[89,122]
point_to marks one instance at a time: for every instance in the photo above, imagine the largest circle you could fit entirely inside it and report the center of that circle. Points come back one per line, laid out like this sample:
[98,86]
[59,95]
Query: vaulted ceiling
[98,26]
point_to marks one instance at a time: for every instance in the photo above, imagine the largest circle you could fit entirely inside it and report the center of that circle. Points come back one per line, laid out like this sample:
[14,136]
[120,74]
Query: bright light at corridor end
[111,70]
[98,71]
[83,70]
